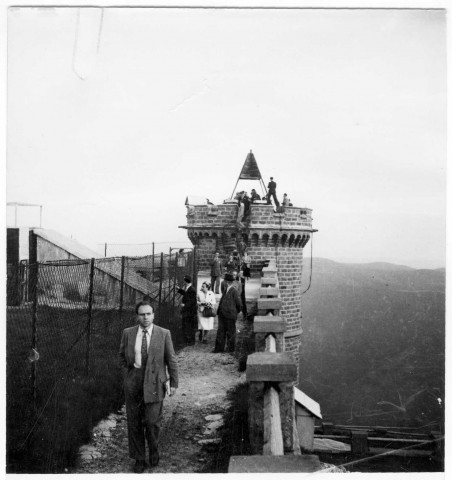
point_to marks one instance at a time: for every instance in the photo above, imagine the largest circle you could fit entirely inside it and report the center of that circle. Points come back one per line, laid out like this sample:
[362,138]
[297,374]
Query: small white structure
[306,411]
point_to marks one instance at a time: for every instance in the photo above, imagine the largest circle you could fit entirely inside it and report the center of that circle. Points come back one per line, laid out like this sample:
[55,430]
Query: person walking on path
[188,311]
[146,355]
[230,305]
[206,299]
[236,283]
[233,263]
[272,192]
[246,264]
[216,271]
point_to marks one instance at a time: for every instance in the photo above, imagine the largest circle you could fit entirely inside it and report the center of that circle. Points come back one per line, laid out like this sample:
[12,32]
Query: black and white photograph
[226,237]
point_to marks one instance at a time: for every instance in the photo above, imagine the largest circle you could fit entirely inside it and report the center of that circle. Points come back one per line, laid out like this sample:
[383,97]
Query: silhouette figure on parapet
[272,192]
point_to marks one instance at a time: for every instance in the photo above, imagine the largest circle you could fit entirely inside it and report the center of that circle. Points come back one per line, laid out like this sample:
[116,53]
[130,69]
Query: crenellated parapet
[261,217]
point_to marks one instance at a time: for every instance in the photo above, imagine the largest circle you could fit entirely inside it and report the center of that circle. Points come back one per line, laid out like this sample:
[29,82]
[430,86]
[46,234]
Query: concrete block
[274,464]
[271,367]
[268,281]
[270,271]
[269,324]
[268,292]
[263,312]
[269,303]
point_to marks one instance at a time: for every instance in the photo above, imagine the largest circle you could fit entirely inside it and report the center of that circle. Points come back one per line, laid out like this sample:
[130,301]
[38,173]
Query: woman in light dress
[205,297]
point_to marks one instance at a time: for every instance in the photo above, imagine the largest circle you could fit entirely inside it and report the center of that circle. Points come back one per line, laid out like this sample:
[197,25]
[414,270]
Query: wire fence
[64,324]
[142,249]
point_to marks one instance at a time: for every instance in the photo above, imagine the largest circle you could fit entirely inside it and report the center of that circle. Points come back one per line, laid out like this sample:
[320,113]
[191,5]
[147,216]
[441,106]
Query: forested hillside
[373,343]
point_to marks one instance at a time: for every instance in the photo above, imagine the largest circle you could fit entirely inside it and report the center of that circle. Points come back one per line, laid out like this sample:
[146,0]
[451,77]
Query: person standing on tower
[272,192]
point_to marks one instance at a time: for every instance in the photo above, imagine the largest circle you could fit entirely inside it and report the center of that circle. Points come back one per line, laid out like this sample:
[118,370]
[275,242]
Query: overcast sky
[116,115]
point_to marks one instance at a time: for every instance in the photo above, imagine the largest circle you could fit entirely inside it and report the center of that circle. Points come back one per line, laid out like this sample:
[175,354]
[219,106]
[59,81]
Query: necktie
[144,350]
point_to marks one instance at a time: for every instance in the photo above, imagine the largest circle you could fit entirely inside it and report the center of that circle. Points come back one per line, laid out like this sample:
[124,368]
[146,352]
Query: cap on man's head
[229,277]
[187,279]
[271,178]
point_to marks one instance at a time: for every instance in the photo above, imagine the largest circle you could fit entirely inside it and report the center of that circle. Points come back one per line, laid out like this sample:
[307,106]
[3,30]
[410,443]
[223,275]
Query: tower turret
[267,234]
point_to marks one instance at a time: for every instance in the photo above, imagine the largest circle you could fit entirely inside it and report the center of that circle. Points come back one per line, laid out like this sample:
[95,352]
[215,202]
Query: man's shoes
[139,466]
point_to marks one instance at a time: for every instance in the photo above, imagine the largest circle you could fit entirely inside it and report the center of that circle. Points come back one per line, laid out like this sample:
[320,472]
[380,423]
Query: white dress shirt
[138,342]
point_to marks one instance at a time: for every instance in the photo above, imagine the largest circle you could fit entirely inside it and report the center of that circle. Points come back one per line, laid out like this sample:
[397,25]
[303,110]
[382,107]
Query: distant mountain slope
[373,343]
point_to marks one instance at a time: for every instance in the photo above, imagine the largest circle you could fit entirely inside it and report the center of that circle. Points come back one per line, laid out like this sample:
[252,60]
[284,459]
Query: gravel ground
[187,437]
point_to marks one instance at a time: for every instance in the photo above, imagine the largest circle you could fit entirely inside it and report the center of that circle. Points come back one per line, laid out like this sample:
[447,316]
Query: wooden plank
[374,441]
[296,438]
[273,440]
[401,453]
[270,343]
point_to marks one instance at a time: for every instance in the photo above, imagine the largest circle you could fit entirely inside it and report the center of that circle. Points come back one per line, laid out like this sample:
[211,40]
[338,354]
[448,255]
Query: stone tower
[268,235]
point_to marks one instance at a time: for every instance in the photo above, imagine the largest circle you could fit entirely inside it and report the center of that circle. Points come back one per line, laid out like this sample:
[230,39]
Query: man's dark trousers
[189,327]
[273,194]
[143,419]
[225,334]
[215,284]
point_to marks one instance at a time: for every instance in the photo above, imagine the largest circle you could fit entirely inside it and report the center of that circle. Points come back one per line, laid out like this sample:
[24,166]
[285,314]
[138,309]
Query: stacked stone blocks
[267,369]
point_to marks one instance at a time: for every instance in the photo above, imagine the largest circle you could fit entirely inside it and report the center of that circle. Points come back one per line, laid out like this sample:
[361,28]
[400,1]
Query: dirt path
[205,379]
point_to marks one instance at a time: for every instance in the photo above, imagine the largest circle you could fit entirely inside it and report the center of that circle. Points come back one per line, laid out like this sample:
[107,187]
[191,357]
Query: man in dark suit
[146,356]
[189,311]
[254,196]
[230,305]
[272,192]
[236,283]
[216,271]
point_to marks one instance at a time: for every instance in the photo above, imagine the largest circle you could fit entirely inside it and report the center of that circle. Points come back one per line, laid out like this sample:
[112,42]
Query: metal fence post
[194,271]
[105,250]
[121,291]
[34,333]
[161,279]
[175,277]
[153,261]
[90,313]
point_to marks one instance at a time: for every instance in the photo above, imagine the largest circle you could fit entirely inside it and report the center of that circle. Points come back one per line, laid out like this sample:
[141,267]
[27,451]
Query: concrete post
[263,325]
[279,370]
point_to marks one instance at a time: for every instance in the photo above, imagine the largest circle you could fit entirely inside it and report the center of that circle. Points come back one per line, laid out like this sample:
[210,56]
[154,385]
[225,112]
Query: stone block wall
[260,215]
[205,251]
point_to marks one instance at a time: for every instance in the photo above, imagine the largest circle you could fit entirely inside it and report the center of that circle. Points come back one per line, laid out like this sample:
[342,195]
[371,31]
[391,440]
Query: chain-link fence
[64,324]
[108,249]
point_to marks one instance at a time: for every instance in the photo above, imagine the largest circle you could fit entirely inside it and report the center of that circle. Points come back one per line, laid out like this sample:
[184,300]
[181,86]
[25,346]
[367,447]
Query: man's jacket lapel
[131,344]
[155,345]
